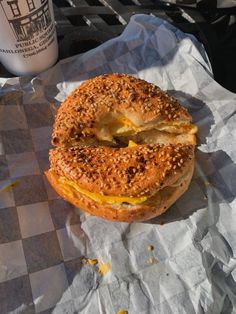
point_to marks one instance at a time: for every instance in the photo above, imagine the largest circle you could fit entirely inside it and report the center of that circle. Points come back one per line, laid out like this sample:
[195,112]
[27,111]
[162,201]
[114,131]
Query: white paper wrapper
[192,266]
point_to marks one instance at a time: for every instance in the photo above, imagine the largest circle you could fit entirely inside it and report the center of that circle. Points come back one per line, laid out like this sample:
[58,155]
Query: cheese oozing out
[68,186]
[71,188]
[132,144]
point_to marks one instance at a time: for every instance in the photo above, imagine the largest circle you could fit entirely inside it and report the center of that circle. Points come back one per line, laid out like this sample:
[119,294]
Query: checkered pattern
[42,238]
[34,243]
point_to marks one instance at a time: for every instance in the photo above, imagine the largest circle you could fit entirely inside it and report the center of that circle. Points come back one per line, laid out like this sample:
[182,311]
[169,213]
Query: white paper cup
[28,42]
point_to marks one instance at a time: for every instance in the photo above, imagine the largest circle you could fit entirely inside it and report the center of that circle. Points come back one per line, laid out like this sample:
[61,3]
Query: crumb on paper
[89,261]
[92,261]
[9,186]
[152,260]
[122,312]
[207,183]
[150,248]
[103,268]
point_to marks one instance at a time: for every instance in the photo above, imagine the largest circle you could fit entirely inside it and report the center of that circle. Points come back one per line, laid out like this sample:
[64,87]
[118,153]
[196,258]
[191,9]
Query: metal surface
[82,25]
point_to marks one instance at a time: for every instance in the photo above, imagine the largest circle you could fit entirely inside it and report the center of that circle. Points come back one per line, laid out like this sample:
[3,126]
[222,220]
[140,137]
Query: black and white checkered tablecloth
[34,246]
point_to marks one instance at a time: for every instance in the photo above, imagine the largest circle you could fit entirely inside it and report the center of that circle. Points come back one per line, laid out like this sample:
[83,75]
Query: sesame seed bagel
[124,184]
[124,149]
[114,105]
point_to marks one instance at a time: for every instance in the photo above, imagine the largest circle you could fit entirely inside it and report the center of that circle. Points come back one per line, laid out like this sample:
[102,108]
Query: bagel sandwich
[124,149]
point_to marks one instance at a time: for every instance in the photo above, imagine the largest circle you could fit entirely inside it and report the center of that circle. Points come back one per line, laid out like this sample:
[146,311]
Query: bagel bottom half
[153,207]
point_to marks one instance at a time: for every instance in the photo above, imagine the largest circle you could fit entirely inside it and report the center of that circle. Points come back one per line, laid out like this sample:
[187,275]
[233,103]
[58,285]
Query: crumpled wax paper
[191,267]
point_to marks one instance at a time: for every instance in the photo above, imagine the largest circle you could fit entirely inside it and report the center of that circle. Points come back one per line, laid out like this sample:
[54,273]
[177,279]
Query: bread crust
[141,102]
[140,212]
[136,171]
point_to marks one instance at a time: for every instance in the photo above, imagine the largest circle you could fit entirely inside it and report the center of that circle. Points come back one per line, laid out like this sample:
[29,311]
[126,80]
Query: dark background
[84,24]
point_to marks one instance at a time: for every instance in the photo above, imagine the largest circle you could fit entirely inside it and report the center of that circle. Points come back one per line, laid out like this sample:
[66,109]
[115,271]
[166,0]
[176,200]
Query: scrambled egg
[121,126]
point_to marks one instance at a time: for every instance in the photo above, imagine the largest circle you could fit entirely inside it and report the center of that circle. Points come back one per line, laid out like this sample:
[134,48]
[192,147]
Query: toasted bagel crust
[134,98]
[136,171]
[120,213]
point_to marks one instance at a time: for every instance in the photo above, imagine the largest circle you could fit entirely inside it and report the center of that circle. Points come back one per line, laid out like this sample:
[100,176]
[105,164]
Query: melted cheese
[68,187]
[132,144]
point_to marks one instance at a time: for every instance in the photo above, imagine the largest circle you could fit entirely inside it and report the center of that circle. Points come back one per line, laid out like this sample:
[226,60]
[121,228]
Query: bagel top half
[119,106]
